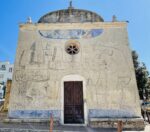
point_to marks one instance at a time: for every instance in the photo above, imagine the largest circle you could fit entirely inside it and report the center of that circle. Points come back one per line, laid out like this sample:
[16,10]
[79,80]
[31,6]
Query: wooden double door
[73,102]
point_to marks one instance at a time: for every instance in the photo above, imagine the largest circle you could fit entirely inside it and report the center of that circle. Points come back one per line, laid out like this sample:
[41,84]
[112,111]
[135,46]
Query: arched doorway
[74,110]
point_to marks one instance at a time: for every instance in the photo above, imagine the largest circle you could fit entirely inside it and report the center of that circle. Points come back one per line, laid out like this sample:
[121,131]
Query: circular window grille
[72,49]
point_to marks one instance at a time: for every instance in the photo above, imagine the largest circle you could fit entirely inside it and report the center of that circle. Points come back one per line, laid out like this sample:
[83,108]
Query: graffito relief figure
[36,54]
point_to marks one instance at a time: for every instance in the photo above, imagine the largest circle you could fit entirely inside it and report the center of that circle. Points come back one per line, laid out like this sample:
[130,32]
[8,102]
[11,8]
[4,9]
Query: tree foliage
[142,77]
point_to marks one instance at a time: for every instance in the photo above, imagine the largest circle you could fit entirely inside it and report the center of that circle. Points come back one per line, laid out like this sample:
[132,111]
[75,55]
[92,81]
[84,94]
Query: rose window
[72,49]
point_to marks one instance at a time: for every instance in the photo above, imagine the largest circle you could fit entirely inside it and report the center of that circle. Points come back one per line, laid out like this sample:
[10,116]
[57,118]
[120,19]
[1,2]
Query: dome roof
[70,15]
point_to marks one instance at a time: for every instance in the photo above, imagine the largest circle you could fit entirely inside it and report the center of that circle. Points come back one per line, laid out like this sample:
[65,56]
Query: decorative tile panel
[34,114]
[71,34]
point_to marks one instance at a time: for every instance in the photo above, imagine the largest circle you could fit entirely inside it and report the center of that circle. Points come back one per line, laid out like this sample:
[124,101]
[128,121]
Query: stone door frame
[74,78]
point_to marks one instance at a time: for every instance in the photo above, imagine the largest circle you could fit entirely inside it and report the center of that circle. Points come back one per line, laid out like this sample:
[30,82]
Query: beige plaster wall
[104,61]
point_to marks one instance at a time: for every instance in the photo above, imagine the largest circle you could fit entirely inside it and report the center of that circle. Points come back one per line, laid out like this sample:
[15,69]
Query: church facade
[74,66]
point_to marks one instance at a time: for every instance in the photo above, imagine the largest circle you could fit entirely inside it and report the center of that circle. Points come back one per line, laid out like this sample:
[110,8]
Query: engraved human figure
[110,75]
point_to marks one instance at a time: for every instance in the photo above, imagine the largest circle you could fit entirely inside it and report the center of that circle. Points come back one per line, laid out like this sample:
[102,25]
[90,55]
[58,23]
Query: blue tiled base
[37,114]
[93,113]
[103,113]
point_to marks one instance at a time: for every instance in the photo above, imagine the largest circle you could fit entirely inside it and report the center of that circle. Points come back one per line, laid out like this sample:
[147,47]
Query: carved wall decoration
[100,78]
[36,54]
[54,54]
[107,73]
[32,56]
[20,76]
[37,89]
[31,75]
[21,58]
[70,34]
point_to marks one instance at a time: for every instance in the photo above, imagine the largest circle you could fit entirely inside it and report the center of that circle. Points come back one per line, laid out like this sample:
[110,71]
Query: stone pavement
[44,127]
[147,129]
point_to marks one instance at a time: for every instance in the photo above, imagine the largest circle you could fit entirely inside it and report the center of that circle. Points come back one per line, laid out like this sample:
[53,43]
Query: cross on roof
[70,5]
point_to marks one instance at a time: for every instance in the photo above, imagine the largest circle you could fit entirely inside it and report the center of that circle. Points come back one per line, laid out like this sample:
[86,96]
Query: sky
[137,12]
